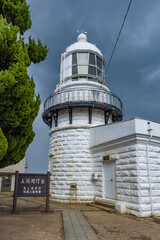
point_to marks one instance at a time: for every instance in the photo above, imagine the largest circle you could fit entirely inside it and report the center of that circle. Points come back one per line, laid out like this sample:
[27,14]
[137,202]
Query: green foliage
[3,145]
[12,50]
[17,13]
[18,103]
[37,53]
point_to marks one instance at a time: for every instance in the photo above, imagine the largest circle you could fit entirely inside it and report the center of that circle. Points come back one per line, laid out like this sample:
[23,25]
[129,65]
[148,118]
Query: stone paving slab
[76,226]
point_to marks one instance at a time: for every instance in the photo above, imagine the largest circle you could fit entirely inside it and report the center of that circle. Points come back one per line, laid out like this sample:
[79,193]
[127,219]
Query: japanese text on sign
[31,184]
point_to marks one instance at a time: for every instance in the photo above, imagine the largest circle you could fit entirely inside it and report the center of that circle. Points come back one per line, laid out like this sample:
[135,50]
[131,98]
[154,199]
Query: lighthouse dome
[83,44]
[82,62]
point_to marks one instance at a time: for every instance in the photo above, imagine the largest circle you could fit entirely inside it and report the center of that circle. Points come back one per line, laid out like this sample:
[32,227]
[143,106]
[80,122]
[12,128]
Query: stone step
[106,203]
[107,209]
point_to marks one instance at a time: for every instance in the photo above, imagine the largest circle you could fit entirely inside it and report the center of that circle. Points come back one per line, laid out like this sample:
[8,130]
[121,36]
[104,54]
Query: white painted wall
[66,67]
[124,128]
[126,143]
[80,117]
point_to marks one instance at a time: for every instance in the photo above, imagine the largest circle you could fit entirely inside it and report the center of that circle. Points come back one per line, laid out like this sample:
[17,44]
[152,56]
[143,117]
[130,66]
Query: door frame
[104,197]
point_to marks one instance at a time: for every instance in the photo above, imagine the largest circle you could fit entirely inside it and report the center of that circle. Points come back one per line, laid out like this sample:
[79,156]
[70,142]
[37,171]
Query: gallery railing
[83,95]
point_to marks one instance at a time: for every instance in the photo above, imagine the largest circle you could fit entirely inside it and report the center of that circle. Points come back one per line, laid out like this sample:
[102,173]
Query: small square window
[83,58]
[92,70]
[82,69]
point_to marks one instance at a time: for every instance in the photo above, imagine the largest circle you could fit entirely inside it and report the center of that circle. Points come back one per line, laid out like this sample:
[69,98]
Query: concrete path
[76,227]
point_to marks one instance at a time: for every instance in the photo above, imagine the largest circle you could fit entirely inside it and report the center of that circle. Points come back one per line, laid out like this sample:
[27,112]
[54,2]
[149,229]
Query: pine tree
[18,103]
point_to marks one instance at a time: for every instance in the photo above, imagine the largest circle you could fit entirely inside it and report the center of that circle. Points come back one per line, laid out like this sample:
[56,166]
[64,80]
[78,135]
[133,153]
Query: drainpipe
[148,164]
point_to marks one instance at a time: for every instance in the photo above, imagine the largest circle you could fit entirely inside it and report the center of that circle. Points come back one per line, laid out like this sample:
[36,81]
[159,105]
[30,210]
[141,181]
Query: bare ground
[32,223]
[109,226]
[31,226]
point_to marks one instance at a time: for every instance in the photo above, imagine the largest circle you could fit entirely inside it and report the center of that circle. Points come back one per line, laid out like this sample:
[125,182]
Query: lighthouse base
[71,165]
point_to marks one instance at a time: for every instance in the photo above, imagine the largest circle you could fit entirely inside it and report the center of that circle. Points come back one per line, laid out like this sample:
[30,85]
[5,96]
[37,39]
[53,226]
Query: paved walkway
[76,227]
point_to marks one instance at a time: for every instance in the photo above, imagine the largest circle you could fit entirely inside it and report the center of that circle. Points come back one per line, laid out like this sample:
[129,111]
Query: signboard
[31,185]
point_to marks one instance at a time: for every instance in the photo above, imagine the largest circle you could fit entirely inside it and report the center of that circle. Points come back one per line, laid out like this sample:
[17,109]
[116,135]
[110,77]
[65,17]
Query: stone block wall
[126,173]
[71,160]
[149,168]
[80,116]
[132,177]
[72,164]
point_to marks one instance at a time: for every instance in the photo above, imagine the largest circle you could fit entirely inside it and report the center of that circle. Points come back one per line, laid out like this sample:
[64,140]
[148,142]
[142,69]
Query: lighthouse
[81,101]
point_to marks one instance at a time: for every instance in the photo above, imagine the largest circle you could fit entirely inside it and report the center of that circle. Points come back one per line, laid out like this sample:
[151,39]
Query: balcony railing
[83,96]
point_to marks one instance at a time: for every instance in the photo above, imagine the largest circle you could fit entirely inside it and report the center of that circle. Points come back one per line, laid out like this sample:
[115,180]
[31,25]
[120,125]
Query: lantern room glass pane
[92,79]
[99,62]
[92,58]
[75,79]
[92,70]
[99,72]
[74,70]
[82,69]
[83,58]
[81,78]
[74,58]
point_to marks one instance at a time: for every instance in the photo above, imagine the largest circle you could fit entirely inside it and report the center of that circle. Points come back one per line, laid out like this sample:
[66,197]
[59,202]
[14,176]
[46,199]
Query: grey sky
[134,74]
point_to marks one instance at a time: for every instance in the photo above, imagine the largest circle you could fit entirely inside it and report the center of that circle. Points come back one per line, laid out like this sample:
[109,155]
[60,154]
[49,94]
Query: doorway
[110,180]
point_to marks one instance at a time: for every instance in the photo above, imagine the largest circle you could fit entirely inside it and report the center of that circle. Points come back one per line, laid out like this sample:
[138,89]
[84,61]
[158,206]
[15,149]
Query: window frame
[99,70]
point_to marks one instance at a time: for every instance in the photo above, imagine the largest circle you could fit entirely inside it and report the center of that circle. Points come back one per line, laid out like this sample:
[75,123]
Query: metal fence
[83,95]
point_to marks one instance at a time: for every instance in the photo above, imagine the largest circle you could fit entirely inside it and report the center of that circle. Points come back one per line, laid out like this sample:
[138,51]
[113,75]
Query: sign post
[31,185]
[15,193]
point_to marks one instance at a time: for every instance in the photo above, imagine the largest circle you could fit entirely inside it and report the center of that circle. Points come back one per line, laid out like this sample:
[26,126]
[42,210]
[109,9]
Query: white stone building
[93,154]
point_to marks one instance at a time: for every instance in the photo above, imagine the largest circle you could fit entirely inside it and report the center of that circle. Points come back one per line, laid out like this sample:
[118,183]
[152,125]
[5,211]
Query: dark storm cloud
[134,73]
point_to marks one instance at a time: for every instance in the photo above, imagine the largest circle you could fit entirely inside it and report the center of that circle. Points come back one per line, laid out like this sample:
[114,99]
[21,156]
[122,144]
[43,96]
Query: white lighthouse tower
[80,101]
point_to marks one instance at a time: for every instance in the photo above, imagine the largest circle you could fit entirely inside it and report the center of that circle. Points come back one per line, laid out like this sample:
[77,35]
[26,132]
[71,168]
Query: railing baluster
[86,95]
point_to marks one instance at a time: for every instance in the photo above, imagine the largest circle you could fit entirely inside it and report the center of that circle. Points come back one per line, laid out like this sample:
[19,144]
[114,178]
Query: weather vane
[82,31]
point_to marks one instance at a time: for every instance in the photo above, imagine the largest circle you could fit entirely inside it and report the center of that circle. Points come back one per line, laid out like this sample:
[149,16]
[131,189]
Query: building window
[82,69]
[92,70]
[82,78]
[99,73]
[74,58]
[92,58]
[74,70]
[83,58]
[99,63]
[87,63]
[92,79]
[75,79]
